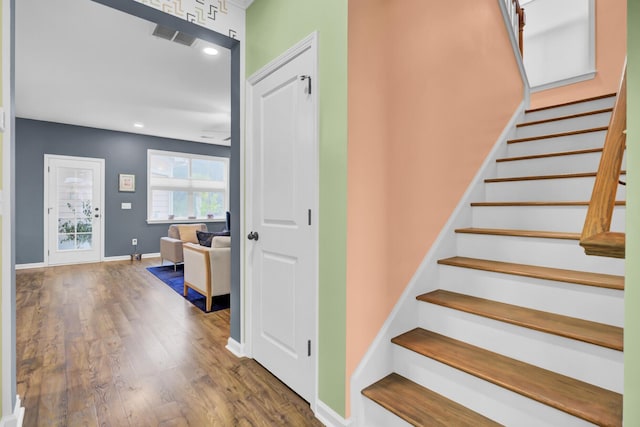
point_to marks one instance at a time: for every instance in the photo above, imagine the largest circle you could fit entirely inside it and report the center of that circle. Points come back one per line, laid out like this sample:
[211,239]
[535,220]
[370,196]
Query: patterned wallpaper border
[221,16]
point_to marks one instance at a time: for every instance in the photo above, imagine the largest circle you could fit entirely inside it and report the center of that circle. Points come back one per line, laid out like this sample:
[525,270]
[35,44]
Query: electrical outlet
[134,242]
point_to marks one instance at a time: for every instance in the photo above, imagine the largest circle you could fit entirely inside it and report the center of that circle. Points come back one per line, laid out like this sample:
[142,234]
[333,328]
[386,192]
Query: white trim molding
[235,348]
[16,418]
[128,257]
[9,410]
[329,417]
[105,259]
[30,265]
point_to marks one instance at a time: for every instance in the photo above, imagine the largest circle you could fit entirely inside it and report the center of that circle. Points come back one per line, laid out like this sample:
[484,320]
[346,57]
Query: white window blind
[184,186]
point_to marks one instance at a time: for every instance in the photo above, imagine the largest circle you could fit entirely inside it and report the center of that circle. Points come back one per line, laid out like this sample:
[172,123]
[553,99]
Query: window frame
[190,191]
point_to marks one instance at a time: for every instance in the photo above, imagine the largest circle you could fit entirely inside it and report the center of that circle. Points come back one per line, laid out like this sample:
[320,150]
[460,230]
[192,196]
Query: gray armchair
[171,246]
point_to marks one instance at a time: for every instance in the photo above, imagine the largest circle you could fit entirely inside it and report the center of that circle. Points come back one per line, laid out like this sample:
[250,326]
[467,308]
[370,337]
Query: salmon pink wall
[367,178]
[611,48]
[431,87]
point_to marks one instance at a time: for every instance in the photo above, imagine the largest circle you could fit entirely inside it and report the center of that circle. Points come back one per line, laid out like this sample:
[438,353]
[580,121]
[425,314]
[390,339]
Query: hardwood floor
[109,344]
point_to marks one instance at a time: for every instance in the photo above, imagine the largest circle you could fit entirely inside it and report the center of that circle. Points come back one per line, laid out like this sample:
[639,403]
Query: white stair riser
[497,403]
[540,190]
[566,110]
[565,125]
[568,299]
[573,163]
[547,218]
[557,144]
[377,416]
[585,362]
[555,253]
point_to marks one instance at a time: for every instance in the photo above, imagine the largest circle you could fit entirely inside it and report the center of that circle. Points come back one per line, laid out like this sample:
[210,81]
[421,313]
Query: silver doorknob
[253,236]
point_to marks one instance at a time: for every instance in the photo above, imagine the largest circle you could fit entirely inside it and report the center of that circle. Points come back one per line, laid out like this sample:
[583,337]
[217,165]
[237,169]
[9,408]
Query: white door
[73,209]
[282,220]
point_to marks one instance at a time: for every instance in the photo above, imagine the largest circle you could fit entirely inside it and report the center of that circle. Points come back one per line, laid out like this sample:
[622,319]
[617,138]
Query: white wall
[559,42]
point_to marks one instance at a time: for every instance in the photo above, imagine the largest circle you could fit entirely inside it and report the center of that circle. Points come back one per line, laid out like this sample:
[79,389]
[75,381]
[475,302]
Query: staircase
[523,329]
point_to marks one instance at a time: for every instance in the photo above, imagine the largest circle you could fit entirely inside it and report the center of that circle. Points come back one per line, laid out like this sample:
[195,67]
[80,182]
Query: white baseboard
[116,258]
[128,257]
[152,255]
[16,419]
[32,265]
[235,347]
[105,259]
[329,417]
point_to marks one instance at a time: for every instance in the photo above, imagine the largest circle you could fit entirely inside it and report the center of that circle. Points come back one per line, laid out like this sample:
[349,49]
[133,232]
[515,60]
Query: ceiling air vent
[164,32]
[184,39]
[173,35]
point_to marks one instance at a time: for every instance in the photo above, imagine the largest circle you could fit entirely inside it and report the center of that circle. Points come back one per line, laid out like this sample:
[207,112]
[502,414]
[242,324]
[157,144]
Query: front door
[73,209]
[282,250]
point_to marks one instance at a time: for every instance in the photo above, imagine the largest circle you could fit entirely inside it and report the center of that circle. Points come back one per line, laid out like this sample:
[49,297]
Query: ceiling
[79,62]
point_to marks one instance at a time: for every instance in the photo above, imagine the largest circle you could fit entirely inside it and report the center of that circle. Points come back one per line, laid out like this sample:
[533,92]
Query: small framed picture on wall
[127,182]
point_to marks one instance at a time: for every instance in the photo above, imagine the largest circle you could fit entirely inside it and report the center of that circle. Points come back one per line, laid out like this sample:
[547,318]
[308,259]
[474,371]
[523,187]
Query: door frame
[101,162]
[246,305]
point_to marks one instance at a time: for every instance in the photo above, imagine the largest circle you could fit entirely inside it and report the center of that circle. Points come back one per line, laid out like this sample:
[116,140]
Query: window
[186,186]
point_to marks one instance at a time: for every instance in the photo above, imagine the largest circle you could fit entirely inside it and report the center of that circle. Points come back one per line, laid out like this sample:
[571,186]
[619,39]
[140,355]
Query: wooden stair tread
[580,399]
[557,135]
[487,204]
[567,117]
[547,273]
[545,155]
[420,406]
[578,101]
[521,233]
[541,177]
[569,327]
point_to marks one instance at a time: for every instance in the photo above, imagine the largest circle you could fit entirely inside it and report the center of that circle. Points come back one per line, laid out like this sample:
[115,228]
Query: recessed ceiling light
[138,125]
[210,51]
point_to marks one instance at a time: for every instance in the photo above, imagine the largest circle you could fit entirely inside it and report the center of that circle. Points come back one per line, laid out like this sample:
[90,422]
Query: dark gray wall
[123,153]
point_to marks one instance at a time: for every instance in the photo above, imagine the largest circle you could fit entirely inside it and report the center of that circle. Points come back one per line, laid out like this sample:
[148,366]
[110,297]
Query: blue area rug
[175,280]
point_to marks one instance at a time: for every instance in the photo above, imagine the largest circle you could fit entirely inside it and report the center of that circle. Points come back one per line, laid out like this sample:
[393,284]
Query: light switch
[126,205]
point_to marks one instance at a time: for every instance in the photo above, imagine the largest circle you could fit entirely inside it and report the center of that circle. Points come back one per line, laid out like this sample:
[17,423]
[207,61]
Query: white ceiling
[79,62]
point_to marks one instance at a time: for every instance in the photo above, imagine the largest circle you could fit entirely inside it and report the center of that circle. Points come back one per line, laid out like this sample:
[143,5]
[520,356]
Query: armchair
[171,246]
[208,270]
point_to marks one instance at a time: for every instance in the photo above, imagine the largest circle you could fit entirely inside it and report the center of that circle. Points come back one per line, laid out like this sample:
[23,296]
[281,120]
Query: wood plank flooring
[110,345]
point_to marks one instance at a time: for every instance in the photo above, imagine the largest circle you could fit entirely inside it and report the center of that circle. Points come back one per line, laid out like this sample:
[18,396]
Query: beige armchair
[171,246]
[208,270]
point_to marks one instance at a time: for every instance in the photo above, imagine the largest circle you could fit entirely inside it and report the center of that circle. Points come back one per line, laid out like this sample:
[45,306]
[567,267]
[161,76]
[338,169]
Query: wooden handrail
[597,239]
[521,23]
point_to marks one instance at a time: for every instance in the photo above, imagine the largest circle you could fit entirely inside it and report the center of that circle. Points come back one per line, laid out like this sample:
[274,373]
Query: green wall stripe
[272,27]
[632,278]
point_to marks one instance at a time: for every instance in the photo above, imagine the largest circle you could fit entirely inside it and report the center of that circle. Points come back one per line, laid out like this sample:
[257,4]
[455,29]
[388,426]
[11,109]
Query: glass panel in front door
[75,208]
